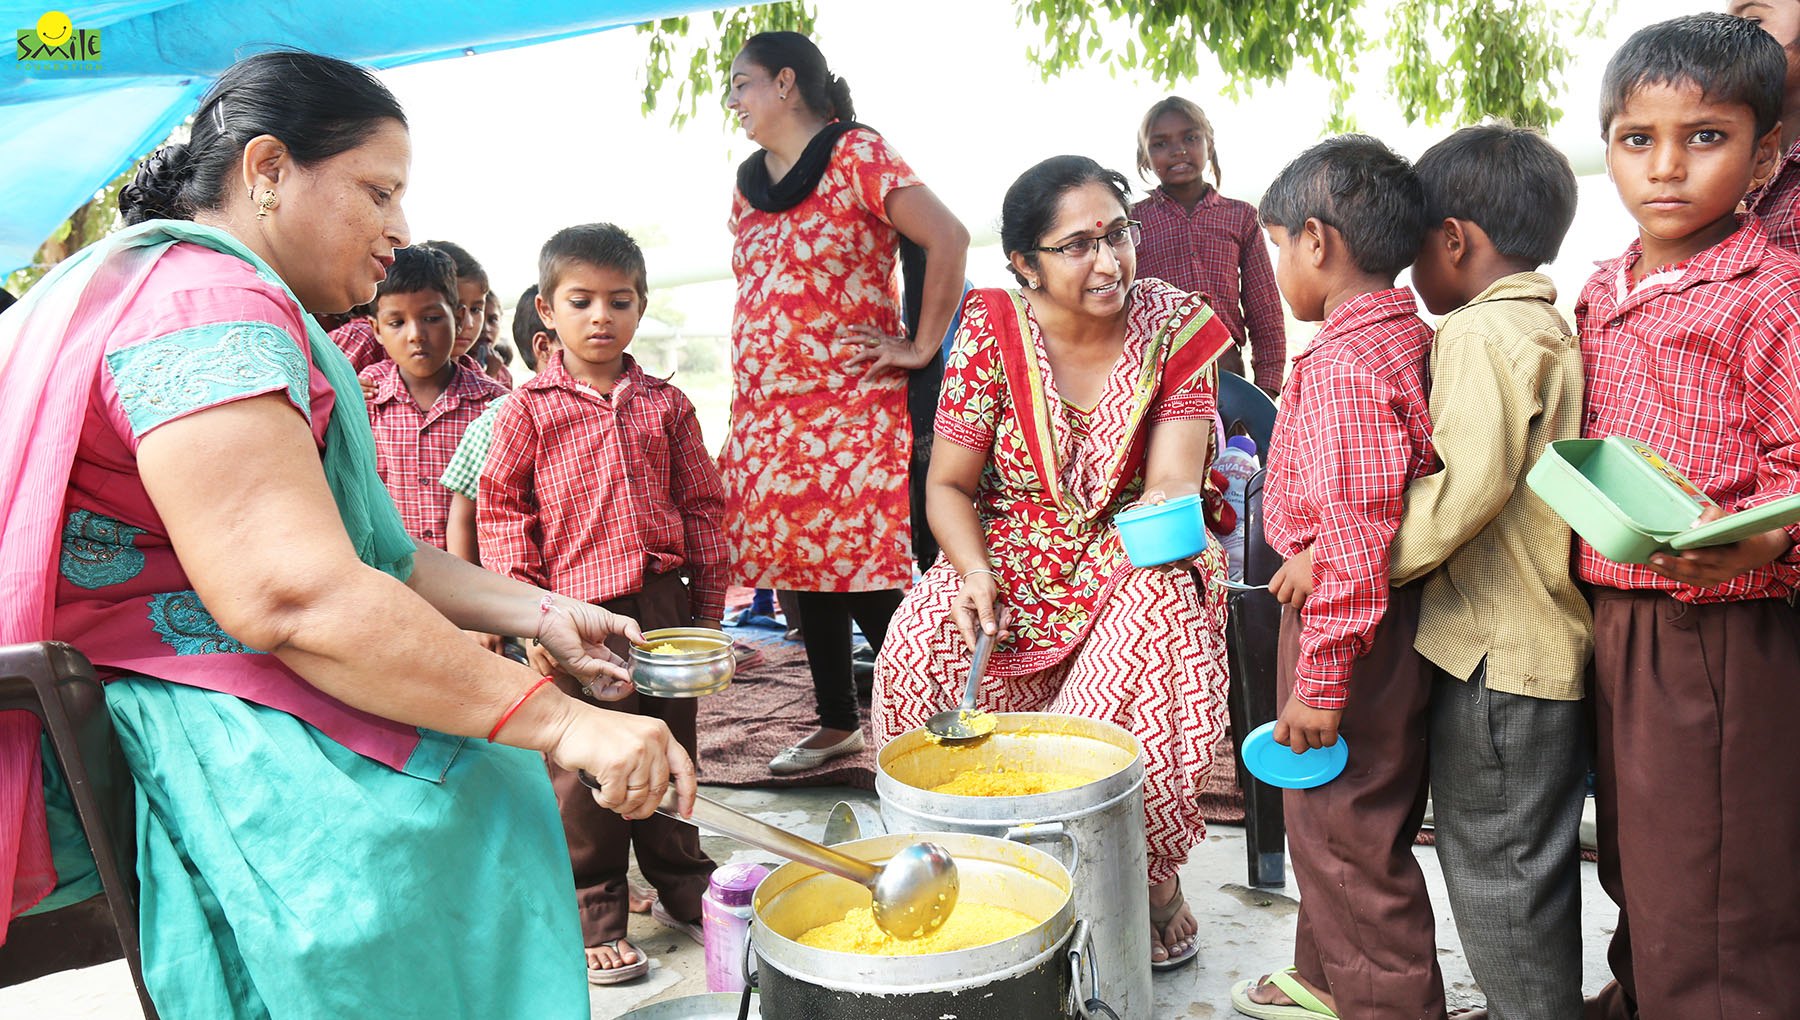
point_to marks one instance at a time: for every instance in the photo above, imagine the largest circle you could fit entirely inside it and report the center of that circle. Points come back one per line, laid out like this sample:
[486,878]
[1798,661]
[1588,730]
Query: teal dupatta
[368,512]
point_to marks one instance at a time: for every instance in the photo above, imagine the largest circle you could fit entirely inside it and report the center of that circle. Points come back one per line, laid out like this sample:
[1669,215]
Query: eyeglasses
[1083,248]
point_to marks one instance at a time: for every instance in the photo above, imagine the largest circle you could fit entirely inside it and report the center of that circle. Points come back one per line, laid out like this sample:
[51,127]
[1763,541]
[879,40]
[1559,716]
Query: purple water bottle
[725,920]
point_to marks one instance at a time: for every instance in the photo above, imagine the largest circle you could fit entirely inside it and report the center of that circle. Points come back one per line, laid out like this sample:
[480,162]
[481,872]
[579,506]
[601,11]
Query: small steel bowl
[704,665]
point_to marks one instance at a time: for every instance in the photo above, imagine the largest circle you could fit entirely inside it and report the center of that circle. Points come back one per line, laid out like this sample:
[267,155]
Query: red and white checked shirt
[1703,366]
[586,496]
[1777,203]
[413,445]
[1354,428]
[1219,250]
[359,343]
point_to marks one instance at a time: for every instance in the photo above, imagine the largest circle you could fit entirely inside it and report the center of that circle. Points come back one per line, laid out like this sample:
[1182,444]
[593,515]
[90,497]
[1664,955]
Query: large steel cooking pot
[1045,972]
[1096,829]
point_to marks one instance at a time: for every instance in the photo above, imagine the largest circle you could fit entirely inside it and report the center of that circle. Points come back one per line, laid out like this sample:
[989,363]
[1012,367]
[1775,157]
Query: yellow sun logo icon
[54,28]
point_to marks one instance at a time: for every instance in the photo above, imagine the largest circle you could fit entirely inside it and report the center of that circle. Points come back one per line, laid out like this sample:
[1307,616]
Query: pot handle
[1082,1005]
[1032,835]
[749,978]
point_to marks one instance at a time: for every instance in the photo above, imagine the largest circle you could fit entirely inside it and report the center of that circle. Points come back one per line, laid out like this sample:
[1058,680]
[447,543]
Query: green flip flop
[1307,1005]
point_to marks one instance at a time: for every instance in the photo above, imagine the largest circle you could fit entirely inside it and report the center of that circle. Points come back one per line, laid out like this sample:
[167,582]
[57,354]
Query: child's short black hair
[1369,192]
[527,324]
[416,268]
[1509,181]
[466,266]
[1729,58]
[595,244]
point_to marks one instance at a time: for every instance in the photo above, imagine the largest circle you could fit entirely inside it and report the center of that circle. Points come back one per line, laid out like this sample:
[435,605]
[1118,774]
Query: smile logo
[55,44]
[55,28]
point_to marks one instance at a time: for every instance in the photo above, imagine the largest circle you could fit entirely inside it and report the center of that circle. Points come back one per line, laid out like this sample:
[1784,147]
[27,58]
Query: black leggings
[825,628]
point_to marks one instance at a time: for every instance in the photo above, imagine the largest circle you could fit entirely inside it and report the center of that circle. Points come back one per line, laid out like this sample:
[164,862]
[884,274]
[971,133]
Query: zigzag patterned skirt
[1153,662]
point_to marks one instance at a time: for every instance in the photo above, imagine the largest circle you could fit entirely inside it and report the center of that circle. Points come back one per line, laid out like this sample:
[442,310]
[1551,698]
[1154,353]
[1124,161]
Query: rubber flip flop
[622,973]
[1308,1006]
[1160,917]
[660,914]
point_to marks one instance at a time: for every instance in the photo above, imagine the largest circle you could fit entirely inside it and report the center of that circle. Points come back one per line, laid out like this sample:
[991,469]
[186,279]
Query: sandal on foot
[1307,1005]
[660,914]
[624,971]
[1160,918]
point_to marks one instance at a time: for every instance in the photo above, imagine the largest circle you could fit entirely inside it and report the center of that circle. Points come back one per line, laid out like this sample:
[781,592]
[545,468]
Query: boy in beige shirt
[1501,621]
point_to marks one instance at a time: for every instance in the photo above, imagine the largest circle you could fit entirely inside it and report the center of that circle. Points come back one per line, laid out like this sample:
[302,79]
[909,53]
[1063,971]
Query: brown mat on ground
[769,706]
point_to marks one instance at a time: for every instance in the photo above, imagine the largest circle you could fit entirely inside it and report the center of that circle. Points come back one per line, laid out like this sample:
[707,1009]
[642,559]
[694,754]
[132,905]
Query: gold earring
[264,204]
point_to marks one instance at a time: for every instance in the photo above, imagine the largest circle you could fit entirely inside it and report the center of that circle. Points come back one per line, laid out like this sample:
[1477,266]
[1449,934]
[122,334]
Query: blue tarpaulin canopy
[68,128]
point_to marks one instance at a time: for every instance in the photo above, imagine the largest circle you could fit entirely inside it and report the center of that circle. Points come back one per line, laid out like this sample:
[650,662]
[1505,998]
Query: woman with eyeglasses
[817,462]
[1064,402]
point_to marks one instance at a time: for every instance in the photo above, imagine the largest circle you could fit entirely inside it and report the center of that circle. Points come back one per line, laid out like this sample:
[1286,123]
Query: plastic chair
[1252,635]
[57,684]
[1241,401]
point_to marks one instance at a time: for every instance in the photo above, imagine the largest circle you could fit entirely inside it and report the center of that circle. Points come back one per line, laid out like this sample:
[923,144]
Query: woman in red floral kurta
[1062,404]
[815,466]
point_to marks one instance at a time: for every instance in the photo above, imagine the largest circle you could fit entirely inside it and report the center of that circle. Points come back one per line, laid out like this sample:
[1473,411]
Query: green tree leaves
[1463,60]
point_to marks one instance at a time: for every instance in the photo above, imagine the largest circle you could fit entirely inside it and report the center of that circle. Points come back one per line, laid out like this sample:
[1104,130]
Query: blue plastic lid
[1244,443]
[1280,766]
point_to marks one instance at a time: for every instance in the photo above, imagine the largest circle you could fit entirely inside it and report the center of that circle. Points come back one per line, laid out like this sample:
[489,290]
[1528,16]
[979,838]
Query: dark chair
[1241,401]
[57,684]
[1252,632]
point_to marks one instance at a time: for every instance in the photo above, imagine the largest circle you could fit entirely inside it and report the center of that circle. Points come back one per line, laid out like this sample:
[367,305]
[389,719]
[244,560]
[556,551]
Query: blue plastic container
[1159,533]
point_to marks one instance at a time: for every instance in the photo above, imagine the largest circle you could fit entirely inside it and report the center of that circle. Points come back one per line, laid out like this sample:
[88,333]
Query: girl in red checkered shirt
[1205,243]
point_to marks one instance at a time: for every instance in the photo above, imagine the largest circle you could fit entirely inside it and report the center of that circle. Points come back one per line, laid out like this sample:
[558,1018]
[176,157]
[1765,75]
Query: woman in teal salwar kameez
[321,831]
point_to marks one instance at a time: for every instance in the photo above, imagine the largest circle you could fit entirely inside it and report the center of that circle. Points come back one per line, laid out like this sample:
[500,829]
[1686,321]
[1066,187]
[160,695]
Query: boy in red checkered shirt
[1690,344]
[1346,217]
[598,486]
[422,401]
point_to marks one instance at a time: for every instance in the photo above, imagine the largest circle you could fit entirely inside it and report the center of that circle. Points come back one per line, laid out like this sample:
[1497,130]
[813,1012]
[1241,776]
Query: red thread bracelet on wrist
[504,719]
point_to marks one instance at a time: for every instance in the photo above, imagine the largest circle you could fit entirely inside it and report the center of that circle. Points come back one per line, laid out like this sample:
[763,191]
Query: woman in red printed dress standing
[1064,402]
[816,462]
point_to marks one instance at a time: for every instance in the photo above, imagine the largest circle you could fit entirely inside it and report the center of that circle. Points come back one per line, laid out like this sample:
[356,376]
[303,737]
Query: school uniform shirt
[1218,250]
[464,470]
[1777,203]
[413,444]
[1505,383]
[1700,362]
[588,494]
[359,343]
[1353,430]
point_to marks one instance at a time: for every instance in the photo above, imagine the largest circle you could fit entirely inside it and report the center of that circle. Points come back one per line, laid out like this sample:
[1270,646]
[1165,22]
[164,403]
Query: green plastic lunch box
[1628,503]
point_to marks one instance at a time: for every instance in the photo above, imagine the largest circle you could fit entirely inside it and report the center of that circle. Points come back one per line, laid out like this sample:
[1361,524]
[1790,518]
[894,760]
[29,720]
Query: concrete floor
[1244,931]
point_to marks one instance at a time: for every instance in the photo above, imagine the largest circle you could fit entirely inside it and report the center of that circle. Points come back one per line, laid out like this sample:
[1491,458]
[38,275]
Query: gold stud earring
[264,204]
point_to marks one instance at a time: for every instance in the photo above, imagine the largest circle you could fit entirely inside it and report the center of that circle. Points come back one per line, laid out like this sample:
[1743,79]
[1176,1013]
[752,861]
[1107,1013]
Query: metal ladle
[913,892]
[965,722]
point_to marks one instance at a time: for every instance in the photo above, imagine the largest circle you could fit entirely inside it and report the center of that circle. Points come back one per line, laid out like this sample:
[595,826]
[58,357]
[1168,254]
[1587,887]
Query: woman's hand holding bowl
[885,355]
[1163,494]
[574,634]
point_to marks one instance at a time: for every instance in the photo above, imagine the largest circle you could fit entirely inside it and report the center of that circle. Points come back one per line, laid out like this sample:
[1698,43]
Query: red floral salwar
[1092,635]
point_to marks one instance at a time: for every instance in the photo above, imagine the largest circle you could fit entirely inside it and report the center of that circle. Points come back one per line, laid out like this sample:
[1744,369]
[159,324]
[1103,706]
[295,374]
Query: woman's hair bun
[839,91]
[155,192]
